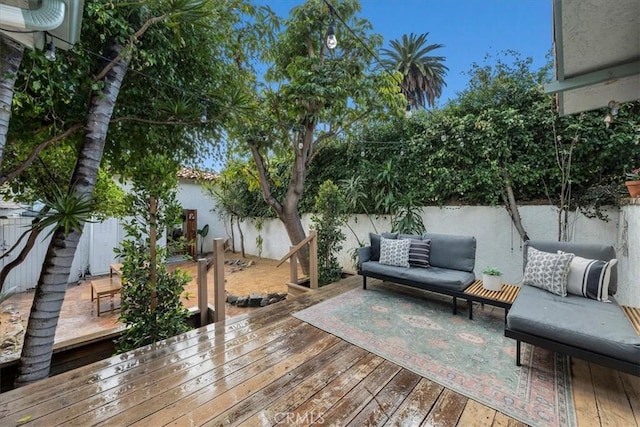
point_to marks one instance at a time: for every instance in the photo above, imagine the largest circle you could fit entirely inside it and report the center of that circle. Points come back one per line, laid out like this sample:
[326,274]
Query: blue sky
[469,29]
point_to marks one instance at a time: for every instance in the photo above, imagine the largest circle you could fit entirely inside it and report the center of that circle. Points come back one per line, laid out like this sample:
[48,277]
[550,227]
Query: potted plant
[633,182]
[492,279]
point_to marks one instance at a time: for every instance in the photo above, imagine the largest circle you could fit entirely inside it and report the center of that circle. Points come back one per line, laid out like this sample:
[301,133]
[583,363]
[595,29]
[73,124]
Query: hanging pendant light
[331,41]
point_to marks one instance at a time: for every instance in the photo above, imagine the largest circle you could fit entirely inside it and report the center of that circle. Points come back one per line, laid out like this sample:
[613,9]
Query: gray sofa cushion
[433,276]
[453,252]
[575,321]
[375,243]
[585,250]
[410,236]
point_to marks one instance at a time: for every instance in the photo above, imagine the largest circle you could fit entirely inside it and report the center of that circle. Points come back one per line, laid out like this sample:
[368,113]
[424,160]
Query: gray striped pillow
[590,278]
[419,253]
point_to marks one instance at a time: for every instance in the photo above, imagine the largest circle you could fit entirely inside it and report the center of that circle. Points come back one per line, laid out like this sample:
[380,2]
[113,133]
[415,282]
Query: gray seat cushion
[429,277]
[576,321]
[454,252]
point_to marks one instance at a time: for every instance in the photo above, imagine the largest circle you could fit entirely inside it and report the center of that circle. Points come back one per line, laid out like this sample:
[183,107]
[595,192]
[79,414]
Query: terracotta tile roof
[196,175]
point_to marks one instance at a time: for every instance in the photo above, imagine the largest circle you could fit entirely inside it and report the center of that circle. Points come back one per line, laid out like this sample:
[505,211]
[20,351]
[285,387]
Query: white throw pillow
[590,278]
[395,252]
[547,271]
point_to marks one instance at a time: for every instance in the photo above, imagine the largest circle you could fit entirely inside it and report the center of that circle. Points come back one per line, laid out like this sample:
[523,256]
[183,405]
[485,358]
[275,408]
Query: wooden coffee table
[503,298]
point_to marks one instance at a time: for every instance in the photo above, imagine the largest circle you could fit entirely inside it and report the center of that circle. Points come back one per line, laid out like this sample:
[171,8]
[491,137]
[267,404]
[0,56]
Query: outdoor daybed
[576,325]
[441,263]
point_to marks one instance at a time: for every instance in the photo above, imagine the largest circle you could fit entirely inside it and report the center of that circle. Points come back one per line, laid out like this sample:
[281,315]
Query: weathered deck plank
[268,368]
[417,405]
[447,410]
[385,403]
[477,415]
[279,409]
[611,399]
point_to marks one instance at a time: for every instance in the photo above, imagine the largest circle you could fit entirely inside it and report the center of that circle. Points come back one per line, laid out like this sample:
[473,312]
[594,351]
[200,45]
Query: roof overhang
[597,52]
[31,22]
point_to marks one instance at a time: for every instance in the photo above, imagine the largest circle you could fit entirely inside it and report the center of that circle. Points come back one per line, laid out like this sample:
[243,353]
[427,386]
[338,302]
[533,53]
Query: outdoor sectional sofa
[451,260]
[574,325]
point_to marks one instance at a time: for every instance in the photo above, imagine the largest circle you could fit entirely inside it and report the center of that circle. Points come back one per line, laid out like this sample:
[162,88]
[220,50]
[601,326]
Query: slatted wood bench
[633,314]
[503,298]
[100,288]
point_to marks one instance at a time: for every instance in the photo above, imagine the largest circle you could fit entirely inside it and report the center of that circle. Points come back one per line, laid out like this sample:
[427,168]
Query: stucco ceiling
[597,51]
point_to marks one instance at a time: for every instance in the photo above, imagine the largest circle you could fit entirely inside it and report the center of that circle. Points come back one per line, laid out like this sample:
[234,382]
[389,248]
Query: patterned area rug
[471,357]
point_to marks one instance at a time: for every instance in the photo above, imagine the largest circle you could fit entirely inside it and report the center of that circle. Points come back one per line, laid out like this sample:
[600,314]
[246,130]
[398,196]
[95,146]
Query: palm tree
[10,59]
[422,74]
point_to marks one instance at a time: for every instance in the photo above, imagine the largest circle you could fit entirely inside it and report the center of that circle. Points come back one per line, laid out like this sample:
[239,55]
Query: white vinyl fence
[93,256]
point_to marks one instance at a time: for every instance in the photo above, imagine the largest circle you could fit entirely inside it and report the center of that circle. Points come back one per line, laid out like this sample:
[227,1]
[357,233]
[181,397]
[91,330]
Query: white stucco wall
[628,253]
[498,243]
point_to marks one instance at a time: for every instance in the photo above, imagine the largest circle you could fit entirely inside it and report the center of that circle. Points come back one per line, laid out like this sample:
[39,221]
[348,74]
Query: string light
[332,42]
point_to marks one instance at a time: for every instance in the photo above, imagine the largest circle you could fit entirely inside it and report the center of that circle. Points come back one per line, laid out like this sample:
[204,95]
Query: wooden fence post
[218,280]
[313,261]
[203,303]
[293,267]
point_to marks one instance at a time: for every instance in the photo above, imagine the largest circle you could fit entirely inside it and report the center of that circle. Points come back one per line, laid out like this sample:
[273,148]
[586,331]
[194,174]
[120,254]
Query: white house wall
[628,252]
[498,243]
[192,196]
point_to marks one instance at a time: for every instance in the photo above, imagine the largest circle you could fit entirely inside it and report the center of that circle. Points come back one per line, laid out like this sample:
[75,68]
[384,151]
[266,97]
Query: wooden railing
[216,261]
[292,256]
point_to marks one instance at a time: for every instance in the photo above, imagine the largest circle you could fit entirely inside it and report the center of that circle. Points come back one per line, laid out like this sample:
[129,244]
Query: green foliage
[64,210]
[422,74]
[203,233]
[151,306]
[145,325]
[502,129]
[259,224]
[330,216]
[492,271]
[407,218]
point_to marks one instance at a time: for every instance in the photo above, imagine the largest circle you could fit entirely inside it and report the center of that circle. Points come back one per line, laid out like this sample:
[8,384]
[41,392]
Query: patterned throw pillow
[590,278]
[419,252]
[394,252]
[375,243]
[547,271]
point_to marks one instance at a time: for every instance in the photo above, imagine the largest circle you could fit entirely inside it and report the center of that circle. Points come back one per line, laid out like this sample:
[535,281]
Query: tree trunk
[512,207]
[153,253]
[241,238]
[37,350]
[31,241]
[287,211]
[10,59]
[233,236]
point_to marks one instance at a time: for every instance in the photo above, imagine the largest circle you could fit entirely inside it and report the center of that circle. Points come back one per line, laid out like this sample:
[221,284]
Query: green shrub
[330,216]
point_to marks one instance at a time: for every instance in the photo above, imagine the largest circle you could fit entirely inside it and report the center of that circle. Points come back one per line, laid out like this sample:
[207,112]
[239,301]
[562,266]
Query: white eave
[27,22]
[597,52]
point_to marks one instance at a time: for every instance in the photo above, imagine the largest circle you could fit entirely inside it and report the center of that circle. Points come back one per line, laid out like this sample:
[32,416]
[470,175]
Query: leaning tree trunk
[10,59]
[512,207]
[37,350]
[287,211]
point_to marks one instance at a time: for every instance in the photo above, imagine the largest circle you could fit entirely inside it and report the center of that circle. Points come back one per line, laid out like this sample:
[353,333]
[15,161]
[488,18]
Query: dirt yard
[243,276]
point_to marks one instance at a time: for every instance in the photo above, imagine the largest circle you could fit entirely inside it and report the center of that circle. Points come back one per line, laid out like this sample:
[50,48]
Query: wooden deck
[268,368]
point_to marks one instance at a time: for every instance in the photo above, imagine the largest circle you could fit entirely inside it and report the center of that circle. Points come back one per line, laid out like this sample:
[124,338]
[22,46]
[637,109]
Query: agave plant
[66,210]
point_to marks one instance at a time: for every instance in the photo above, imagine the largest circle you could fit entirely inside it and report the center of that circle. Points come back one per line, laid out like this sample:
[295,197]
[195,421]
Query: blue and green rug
[471,357]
